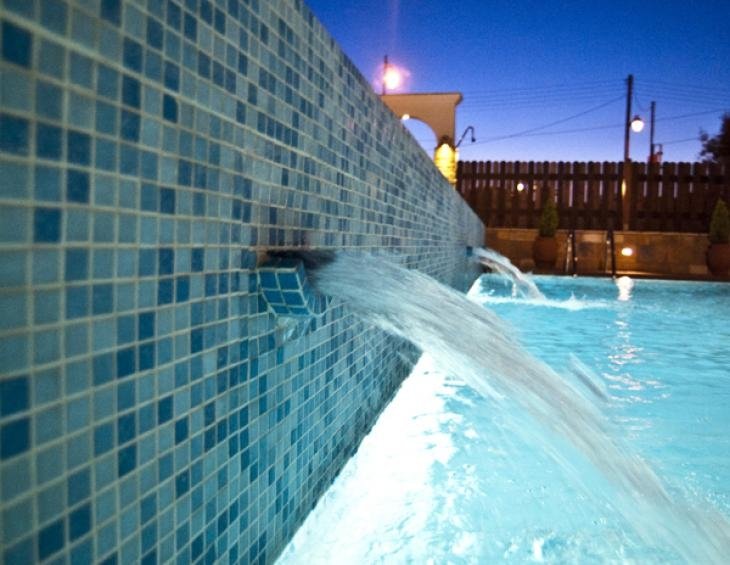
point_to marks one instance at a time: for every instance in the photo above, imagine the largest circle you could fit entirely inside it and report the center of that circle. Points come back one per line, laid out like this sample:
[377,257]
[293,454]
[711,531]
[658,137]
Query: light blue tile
[46,346]
[105,471]
[14,223]
[76,337]
[14,268]
[15,90]
[15,478]
[52,59]
[17,520]
[51,502]
[50,464]
[14,180]
[102,334]
[48,424]
[78,450]
[46,266]
[14,308]
[77,376]
[77,225]
[46,387]
[80,113]
[48,183]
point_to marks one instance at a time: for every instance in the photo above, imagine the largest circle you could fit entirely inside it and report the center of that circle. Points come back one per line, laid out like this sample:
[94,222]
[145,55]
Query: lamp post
[652,155]
[631,124]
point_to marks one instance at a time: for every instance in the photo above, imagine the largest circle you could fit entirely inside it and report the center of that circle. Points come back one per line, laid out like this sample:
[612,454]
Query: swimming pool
[438,480]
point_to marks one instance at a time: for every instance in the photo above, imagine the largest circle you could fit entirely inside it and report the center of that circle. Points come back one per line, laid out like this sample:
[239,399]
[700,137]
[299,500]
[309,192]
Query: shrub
[720,223]
[548,219]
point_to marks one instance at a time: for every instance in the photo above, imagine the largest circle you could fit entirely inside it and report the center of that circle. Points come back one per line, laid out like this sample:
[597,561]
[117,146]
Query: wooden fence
[674,197]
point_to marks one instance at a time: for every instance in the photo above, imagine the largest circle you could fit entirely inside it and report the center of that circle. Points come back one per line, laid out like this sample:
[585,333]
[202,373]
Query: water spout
[502,265]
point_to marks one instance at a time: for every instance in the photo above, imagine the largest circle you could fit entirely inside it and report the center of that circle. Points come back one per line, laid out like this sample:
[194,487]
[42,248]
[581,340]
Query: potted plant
[545,247]
[718,253]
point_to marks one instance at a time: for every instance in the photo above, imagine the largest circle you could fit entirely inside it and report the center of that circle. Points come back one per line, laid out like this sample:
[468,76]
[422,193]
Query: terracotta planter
[718,259]
[545,252]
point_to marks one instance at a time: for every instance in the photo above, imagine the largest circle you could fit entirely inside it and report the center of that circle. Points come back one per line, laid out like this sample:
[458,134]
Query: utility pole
[626,181]
[385,70]
[651,133]
[627,123]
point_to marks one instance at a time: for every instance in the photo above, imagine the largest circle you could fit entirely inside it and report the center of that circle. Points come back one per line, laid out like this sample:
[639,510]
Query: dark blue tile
[167,200]
[49,142]
[203,64]
[103,439]
[146,356]
[169,108]
[198,259]
[166,261]
[131,91]
[147,508]
[128,159]
[174,15]
[102,299]
[184,172]
[182,289]
[155,35]
[127,460]
[77,186]
[77,264]
[240,113]
[190,27]
[182,483]
[78,148]
[125,362]
[77,302]
[164,291]
[103,368]
[111,11]
[126,428]
[22,552]
[172,76]
[79,486]
[220,21]
[51,539]
[196,340]
[146,325]
[242,63]
[14,136]
[17,46]
[164,410]
[164,467]
[14,438]
[132,55]
[79,522]
[129,126]
[149,198]
[14,396]
[181,430]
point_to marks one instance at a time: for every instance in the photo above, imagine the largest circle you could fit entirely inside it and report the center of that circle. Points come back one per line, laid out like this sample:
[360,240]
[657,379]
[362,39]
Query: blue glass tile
[169,108]
[77,264]
[146,325]
[48,141]
[240,113]
[148,165]
[79,486]
[51,60]
[111,11]
[126,364]
[102,299]
[147,418]
[174,15]
[196,340]
[181,430]
[182,483]
[154,33]
[14,438]
[167,200]
[149,198]
[17,45]
[182,289]
[131,91]
[132,55]
[147,262]
[146,356]
[126,428]
[77,186]
[126,395]
[166,261]
[165,291]
[107,84]
[125,329]
[106,118]
[103,439]
[130,126]
[190,27]
[47,183]
[14,395]
[78,148]
[197,259]
[77,302]
[127,460]
[129,160]
[81,70]
[103,368]
[164,410]
[172,76]
[14,136]
[51,539]
[49,100]
[54,16]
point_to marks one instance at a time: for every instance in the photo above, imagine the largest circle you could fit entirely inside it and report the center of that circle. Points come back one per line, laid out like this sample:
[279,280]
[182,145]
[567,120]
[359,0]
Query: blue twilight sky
[524,64]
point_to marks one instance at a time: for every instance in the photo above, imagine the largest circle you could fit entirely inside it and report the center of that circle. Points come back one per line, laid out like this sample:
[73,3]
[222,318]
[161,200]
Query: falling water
[470,341]
[502,265]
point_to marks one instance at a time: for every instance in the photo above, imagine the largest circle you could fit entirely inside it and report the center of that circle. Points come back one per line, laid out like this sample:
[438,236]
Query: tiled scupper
[152,406]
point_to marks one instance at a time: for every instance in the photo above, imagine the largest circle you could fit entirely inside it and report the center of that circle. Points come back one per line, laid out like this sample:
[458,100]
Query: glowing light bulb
[627,251]
[637,124]
[405,117]
[520,186]
[392,77]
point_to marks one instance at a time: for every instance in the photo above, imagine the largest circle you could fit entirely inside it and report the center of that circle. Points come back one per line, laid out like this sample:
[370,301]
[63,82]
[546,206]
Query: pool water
[438,480]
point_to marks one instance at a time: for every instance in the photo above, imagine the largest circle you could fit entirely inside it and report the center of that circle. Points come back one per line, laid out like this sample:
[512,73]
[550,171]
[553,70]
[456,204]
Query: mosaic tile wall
[152,407]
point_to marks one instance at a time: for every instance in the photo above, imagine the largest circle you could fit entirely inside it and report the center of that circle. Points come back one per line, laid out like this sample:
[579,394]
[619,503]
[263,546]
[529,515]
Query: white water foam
[522,283]
[472,342]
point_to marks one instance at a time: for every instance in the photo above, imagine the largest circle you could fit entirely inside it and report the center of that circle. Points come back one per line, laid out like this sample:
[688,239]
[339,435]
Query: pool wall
[152,408]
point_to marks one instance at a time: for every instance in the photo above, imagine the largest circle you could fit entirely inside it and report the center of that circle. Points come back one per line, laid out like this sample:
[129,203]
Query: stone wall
[152,408]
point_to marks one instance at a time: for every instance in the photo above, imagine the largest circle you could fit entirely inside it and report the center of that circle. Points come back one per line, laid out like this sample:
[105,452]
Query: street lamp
[635,124]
